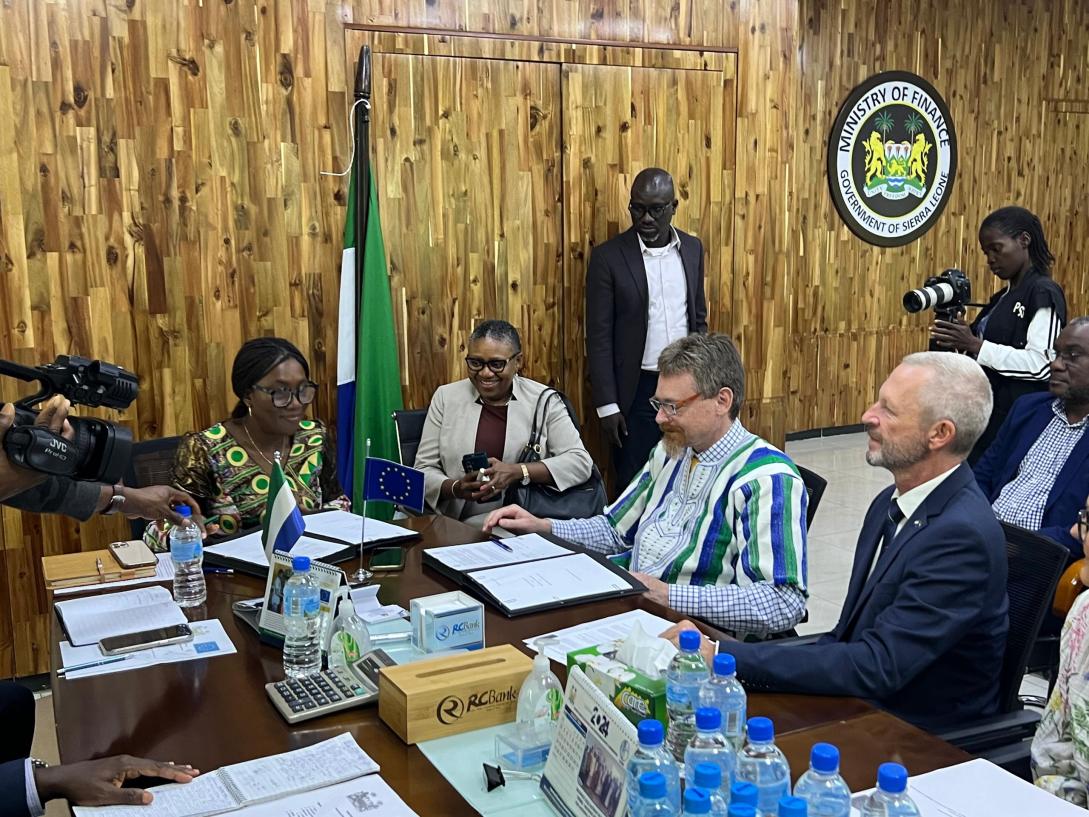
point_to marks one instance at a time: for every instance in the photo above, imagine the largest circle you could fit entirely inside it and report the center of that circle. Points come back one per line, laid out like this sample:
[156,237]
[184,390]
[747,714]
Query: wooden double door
[501,163]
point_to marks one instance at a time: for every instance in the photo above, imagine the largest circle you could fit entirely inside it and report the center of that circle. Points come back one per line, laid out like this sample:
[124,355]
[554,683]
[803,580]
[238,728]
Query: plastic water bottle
[302,620]
[684,680]
[743,793]
[761,763]
[540,699]
[708,778]
[792,807]
[741,810]
[653,801]
[890,799]
[350,637]
[709,745]
[724,692]
[696,801]
[652,756]
[826,793]
[187,554]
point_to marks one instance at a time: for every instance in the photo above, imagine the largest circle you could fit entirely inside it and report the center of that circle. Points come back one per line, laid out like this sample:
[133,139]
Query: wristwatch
[116,503]
[525,474]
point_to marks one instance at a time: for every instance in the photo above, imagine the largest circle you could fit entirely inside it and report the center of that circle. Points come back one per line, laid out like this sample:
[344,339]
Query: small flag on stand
[283,522]
[388,481]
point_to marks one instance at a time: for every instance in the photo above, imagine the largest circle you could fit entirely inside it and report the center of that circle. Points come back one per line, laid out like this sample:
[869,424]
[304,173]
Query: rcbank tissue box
[447,621]
[633,693]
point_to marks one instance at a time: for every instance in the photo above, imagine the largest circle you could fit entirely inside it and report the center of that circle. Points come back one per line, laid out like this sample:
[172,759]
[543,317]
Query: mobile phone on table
[390,557]
[132,554]
[145,639]
[474,462]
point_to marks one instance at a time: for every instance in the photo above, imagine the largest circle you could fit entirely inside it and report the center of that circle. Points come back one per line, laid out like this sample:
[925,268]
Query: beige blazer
[450,432]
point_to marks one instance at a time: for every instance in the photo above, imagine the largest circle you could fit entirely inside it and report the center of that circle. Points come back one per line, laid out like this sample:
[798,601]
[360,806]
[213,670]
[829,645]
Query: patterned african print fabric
[232,487]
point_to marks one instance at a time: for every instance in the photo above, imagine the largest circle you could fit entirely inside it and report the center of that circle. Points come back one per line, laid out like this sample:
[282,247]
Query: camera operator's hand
[956,336]
[13,479]
[158,502]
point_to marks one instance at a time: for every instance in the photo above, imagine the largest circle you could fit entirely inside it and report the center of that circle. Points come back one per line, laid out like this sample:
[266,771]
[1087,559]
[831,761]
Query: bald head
[653,181]
[652,206]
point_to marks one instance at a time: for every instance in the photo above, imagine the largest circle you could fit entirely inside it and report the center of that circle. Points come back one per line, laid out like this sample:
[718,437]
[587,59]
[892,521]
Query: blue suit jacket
[13,789]
[925,634]
[1024,424]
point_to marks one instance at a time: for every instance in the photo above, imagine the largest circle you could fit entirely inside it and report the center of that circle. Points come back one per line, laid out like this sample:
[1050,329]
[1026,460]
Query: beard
[897,456]
[674,442]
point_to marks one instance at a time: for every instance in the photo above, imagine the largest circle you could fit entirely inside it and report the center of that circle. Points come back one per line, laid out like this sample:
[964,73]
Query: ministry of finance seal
[892,158]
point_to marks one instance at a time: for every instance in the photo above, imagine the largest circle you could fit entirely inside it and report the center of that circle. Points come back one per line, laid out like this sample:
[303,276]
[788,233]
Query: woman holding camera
[226,467]
[1013,335]
[476,429]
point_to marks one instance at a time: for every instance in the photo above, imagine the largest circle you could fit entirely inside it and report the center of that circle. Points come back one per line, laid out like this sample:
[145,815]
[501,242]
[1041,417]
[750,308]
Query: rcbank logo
[461,628]
[453,708]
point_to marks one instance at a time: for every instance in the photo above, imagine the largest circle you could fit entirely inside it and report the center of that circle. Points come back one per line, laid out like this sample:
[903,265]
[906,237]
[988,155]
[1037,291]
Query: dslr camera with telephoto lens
[947,294]
[99,451]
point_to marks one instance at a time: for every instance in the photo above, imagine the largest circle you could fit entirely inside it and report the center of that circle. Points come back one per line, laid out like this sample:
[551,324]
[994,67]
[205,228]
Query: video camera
[100,450]
[947,294]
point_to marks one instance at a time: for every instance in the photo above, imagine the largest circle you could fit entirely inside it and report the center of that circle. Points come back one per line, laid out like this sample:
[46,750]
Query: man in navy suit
[923,628]
[644,289]
[1036,472]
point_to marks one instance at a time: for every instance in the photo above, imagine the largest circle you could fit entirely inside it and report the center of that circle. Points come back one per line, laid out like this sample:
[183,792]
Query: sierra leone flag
[283,520]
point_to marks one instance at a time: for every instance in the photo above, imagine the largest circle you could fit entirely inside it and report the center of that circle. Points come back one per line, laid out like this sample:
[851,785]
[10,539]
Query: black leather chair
[151,464]
[409,423]
[1035,565]
[814,485]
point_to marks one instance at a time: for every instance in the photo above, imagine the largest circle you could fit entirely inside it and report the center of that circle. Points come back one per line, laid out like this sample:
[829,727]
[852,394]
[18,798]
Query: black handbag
[577,502]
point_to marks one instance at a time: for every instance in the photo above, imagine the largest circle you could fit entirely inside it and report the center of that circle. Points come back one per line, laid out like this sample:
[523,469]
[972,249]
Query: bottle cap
[651,732]
[697,801]
[743,793]
[741,810]
[708,776]
[652,784]
[300,564]
[824,758]
[792,807]
[761,730]
[892,777]
[707,718]
[725,664]
[183,511]
[689,640]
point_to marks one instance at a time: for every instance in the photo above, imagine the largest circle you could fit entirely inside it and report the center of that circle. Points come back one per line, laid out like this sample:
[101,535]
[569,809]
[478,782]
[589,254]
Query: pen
[226,571]
[507,548]
[90,664]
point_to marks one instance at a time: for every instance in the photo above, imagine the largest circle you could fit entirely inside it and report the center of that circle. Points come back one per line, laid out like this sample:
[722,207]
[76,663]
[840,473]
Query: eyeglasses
[656,211]
[281,395]
[671,408]
[1083,524]
[496,364]
[1069,356]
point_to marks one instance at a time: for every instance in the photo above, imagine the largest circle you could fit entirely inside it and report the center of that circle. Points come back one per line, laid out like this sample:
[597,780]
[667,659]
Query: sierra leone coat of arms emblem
[892,158]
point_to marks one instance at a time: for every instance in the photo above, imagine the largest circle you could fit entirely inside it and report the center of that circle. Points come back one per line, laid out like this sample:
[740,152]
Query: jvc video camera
[100,450]
[947,294]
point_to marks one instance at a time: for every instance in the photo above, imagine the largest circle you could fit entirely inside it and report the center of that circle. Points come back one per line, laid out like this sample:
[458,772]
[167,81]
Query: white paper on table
[476,555]
[593,633]
[979,788]
[248,548]
[347,527]
[519,586]
[209,640]
[164,572]
[365,601]
[89,619]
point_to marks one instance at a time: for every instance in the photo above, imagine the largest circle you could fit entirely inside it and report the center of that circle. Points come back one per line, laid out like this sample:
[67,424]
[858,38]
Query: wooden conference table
[215,712]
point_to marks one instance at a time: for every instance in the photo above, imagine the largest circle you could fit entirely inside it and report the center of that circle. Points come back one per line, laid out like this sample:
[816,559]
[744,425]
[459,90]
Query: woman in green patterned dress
[226,467]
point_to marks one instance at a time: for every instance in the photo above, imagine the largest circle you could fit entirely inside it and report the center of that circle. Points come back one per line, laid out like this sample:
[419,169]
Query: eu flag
[392,482]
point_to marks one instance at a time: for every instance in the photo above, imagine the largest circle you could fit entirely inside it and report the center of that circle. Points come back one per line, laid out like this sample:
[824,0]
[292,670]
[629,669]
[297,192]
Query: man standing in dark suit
[644,289]
[923,628]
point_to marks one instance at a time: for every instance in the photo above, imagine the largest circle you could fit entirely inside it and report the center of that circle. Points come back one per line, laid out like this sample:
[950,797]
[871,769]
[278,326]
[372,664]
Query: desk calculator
[331,690]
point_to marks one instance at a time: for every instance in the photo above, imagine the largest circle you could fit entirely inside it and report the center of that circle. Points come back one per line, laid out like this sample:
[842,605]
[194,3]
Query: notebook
[88,620]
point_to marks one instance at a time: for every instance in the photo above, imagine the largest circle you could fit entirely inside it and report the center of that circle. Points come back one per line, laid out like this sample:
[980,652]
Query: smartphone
[391,557]
[132,554]
[146,639]
[474,462]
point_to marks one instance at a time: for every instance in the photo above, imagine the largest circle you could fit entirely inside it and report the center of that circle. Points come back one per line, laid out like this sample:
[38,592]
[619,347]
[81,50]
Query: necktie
[888,533]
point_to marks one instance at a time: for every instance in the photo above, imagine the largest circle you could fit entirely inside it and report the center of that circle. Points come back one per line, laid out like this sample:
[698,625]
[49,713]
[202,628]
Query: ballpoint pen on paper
[507,548]
[226,571]
[89,664]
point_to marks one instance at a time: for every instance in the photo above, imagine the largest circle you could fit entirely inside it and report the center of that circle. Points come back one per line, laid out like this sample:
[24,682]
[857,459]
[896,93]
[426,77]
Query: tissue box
[633,693]
[447,621]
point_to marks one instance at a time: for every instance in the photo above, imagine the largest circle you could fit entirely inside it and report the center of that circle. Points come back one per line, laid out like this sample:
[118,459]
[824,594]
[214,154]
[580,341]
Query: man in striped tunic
[714,524]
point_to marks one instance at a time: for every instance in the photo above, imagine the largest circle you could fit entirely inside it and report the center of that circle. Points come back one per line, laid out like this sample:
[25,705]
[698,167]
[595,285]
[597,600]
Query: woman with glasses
[1060,749]
[490,413]
[1013,334]
[226,467]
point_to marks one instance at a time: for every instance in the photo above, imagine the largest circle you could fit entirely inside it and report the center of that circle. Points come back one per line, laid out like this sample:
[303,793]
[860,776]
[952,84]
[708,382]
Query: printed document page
[368,796]
[602,631]
[209,640]
[513,549]
[248,548]
[347,527]
[521,586]
[322,764]
[89,620]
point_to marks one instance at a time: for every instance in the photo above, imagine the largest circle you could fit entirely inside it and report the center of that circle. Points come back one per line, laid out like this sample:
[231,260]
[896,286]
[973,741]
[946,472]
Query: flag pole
[361,574]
